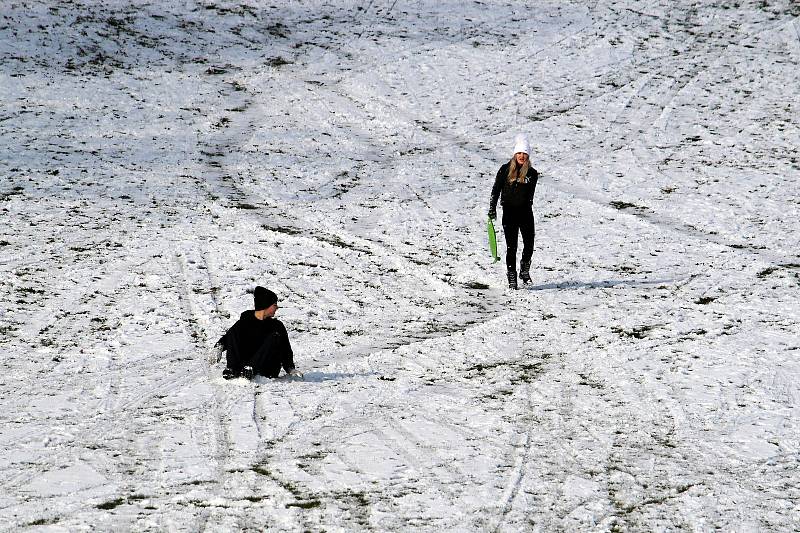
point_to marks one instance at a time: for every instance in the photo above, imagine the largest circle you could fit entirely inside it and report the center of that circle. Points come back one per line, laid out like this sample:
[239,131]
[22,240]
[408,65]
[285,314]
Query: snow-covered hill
[160,159]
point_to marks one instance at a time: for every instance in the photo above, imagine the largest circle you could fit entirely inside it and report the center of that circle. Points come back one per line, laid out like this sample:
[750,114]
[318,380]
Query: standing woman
[515,184]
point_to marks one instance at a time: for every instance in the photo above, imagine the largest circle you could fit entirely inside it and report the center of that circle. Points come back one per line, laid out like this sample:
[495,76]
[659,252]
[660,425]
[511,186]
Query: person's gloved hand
[493,213]
[296,373]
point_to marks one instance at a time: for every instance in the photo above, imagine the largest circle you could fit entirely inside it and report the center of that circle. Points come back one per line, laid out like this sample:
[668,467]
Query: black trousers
[266,361]
[518,220]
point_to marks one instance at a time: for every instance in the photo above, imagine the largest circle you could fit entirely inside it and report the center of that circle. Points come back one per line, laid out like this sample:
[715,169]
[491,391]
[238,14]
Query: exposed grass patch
[203,504]
[281,229]
[285,485]
[587,381]
[258,469]
[237,86]
[309,504]
[619,204]
[8,328]
[319,454]
[625,269]
[356,502]
[334,240]
[637,332]
[278,30]
[705,300]
[29,290]
[524,371]
[4,196]
[771,270]
[278,62]
[111,504]
[766,272]
[740,246]
[42,522]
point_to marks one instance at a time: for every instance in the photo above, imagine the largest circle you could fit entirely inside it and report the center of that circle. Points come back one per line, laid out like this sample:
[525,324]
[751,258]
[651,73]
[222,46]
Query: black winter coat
[515,194]
[254,342]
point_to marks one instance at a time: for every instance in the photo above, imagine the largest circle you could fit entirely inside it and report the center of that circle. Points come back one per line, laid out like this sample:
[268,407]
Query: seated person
[258,343]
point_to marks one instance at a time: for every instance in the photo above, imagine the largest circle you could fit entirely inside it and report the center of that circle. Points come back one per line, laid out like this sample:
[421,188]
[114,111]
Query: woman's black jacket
[515,194]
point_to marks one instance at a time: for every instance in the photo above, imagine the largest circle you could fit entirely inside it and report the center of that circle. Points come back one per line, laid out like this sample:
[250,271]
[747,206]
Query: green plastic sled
[492,239]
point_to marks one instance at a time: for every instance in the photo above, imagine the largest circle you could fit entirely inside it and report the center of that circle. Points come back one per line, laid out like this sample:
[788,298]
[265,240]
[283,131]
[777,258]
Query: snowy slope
[160,159]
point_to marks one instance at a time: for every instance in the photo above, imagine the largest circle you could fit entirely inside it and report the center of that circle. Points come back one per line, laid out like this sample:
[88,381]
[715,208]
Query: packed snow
[158,160]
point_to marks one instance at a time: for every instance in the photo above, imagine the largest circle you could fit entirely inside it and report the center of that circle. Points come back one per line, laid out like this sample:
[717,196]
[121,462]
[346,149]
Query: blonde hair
[517,173]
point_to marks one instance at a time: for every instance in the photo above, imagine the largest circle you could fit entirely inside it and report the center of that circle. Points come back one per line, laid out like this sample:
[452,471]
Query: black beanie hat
[264,298]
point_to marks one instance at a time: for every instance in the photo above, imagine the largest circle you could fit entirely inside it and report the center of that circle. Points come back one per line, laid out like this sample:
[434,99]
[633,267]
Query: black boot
[525,272]
[512,279]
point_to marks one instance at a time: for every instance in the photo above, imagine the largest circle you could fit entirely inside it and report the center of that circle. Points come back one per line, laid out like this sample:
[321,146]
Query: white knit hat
[521,144]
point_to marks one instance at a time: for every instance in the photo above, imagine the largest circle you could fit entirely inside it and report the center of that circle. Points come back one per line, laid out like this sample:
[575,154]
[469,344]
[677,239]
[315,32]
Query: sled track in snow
[222,441]
[226,398]
[101,417]
[112,421]
[515,479]
[96,429]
